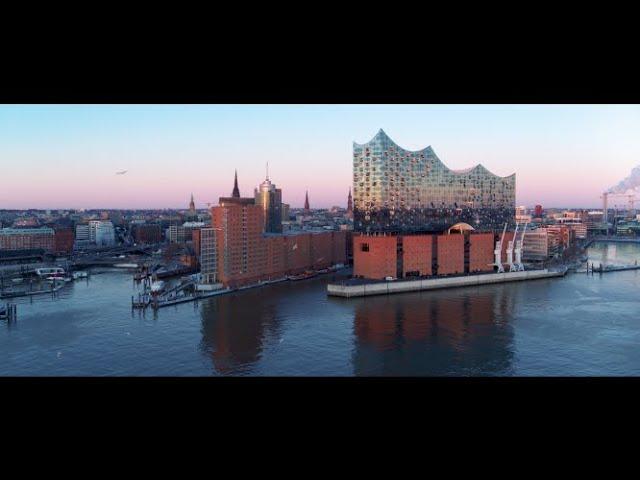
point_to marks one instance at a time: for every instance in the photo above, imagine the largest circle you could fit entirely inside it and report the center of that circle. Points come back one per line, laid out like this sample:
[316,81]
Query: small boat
[50,272]
[157,287]
[302,276]
[78,275]
[17,280]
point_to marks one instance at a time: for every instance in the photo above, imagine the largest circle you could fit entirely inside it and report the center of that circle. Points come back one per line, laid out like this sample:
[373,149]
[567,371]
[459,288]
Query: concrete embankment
[385,288]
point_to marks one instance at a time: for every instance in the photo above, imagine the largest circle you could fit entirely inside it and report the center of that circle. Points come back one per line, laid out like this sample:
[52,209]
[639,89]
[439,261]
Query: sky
[66,156]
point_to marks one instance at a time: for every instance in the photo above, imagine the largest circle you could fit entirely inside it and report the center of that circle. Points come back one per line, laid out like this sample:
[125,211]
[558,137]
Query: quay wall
[385,288]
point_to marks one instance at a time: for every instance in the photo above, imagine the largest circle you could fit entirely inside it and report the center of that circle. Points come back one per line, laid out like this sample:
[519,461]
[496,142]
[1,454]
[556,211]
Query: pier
[608,268]
[350,289]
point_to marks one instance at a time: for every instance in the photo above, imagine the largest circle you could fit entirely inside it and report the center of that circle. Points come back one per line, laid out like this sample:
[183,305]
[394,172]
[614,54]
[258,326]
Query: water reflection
[454,332]
[235,327]
[613,253]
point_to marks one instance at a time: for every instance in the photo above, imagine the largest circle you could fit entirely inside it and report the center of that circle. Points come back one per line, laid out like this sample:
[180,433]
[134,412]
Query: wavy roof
[382,138]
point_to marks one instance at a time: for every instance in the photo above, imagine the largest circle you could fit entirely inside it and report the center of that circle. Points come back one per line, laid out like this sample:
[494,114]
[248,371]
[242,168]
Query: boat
[126,265]
[302,276]
[78,275]
[48,272]
[157,286]
[17,280]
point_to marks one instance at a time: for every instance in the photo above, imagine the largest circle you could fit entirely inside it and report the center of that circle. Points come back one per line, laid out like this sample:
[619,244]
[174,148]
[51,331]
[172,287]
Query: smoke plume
[632,182]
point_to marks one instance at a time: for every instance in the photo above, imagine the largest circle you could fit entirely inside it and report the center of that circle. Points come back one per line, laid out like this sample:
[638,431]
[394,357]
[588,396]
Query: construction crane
[498,251]
[605,203]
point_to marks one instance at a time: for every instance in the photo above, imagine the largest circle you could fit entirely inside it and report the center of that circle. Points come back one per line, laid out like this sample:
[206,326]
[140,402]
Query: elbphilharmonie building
[397,190]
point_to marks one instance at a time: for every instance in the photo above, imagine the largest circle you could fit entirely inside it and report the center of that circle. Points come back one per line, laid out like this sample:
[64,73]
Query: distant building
[285,212]
[26,222]
[82,234]
[349,213]
[235,198]
[27,239]
[183,233]
[574,221]
[102,232]
[628,228]
[64,240]
[192,213]
[538,211]
[535,246]
[522,215]
[207,254]
[148,233]
[307,210]
[269,198]
[236,191]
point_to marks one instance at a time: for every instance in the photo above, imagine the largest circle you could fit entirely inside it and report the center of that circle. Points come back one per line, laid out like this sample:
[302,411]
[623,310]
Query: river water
[577,325]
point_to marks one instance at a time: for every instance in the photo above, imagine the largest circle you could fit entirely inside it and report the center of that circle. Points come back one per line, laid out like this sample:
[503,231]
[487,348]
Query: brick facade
[147,233]
[63,240]
[481,257]
[450,254]
[246,255]
[374,257]
[417,251]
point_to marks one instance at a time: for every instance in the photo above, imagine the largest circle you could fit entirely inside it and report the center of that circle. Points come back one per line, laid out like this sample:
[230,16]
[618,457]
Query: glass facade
[397,190]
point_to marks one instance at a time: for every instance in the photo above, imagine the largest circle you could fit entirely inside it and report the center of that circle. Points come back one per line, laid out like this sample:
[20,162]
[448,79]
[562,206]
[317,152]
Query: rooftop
[27,231]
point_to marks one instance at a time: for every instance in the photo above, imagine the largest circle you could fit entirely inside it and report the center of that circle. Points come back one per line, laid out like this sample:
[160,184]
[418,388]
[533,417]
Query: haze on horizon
[67,156]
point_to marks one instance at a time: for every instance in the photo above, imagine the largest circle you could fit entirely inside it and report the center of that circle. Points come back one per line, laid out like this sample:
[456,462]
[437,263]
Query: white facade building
[102,232]
[82,234]
[208,256]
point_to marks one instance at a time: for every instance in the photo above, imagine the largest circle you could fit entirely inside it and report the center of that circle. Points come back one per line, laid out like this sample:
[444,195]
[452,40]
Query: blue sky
[66,156]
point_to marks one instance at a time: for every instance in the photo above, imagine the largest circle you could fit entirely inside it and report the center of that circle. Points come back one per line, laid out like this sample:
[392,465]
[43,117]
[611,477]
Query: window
[364,247]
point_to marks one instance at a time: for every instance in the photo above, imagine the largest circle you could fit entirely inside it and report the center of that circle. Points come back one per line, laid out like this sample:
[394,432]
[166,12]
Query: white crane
[510,246]
[498,252]
[519,266]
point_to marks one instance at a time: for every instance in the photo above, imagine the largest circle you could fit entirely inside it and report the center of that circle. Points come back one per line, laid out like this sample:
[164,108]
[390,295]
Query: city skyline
[74,156]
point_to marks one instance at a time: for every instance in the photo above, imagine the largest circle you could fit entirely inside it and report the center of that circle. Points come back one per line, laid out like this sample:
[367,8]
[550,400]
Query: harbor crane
[498,251]
[510,246]
[518,265]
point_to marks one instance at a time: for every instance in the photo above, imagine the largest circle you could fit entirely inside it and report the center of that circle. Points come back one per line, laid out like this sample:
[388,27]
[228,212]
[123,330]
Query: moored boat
[302,276]
[48,272]
[157,286]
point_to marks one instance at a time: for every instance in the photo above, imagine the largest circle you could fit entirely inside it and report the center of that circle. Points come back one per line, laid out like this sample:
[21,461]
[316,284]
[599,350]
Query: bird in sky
[121,172]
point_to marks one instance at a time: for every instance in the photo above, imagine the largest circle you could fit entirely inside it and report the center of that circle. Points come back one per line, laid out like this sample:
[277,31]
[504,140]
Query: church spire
[349,202]
[192,205]
[236,191]
[306,201]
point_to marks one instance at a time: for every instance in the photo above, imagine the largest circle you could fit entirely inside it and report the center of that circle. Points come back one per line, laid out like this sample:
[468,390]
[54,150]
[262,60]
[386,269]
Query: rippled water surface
[578,325]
